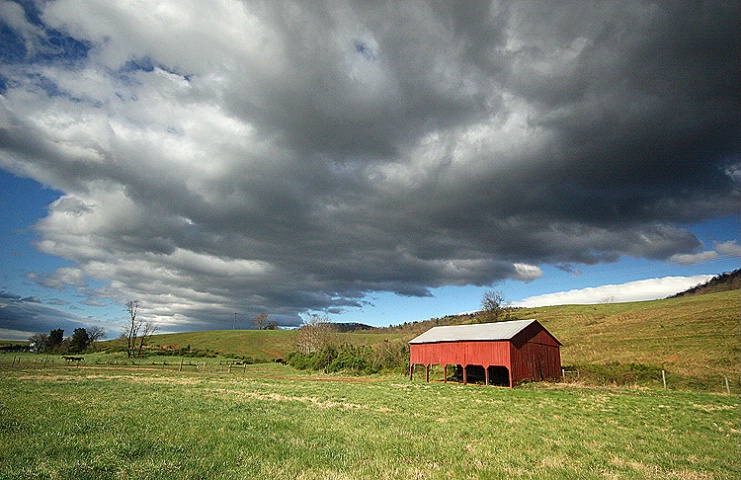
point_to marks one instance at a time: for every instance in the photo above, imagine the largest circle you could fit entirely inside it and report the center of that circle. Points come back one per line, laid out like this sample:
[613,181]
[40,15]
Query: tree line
[136,332]
[82,340]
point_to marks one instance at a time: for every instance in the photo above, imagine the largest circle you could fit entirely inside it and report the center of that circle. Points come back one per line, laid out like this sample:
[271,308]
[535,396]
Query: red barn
[503,353]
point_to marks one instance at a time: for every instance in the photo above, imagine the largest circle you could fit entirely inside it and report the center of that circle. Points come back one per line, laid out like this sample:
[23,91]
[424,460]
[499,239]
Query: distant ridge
[719,283]
[351,327]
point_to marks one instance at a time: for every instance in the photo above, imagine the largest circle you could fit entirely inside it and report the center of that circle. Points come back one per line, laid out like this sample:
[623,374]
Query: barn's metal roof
[478,332]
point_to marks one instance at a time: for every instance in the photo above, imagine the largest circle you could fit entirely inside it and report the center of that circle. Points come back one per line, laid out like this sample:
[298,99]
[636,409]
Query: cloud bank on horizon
[297,156]
[636,291]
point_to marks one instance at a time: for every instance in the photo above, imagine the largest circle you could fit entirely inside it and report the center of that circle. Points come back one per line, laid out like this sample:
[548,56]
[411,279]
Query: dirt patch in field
[322,379]
[711,408]
[174,380]
[277,397]
[309,401]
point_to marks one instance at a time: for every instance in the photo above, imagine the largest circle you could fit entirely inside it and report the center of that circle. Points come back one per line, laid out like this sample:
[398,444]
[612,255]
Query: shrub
[387,356]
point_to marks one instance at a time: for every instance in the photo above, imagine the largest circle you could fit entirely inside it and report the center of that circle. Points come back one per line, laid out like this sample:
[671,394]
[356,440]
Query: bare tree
[39,342]
[148,329]
[137,332]
[316,334]
[95,333]
[495,307]
[260,321]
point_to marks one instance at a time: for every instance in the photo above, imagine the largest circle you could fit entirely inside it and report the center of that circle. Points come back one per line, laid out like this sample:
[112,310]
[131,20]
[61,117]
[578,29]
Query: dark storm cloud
[300,156]
[22,317]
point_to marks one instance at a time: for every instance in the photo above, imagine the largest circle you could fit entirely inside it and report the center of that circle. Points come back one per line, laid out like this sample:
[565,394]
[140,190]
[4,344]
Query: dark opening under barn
[503,353]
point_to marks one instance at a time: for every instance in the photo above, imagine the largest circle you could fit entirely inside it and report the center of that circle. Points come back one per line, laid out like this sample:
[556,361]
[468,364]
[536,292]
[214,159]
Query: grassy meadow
[695,338]
[165,416]
[273,422]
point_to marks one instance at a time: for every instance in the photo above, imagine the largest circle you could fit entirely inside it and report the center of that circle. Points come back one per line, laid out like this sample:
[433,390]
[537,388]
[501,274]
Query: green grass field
[273,422]
[119,418]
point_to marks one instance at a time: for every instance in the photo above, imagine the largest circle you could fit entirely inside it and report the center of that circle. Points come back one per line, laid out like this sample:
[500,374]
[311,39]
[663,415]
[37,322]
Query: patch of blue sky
[13,46]
[367,48]
[23,202]
[53,46]
[719,230]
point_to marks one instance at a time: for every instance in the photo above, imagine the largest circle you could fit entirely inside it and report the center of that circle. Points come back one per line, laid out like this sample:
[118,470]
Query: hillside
[691,336]
[264,345]
[694,336]
[720,283]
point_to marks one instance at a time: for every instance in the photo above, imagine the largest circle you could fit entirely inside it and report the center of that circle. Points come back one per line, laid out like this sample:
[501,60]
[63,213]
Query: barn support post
[411,372]
[465,377]
[445,374]
[427,372]
[486,375]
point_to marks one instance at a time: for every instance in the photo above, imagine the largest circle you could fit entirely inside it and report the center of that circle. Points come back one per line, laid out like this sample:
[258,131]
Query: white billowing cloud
[730,248]
[724,249]
[527,273]
[694,258]
[61,278]
[295,156]
[650,289]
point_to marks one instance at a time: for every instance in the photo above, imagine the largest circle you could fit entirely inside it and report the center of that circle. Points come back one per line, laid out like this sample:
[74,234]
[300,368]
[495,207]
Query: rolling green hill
[265,345]
[693,336]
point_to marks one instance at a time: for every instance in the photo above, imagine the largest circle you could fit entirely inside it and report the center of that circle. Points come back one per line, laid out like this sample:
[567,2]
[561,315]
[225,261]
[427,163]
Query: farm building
[503,353]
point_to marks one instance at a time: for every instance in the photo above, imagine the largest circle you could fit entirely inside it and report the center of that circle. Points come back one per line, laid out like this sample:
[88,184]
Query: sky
[379,162]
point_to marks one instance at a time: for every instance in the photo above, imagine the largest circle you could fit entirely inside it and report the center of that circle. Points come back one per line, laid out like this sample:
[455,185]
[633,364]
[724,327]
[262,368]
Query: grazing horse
[75,360]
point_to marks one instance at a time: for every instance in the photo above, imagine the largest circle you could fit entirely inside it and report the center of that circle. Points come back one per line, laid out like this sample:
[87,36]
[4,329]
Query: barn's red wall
[534,354]
[461,353]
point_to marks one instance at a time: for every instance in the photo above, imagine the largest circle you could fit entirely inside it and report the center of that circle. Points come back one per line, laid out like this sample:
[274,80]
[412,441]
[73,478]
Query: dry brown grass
[695,336]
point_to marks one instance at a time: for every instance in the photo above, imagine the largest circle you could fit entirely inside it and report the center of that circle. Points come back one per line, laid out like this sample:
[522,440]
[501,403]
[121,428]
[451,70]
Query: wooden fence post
[728,387]
[181,365]
[663,378]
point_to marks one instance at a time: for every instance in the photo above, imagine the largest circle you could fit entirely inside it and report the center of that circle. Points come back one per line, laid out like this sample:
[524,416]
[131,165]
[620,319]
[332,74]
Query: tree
[260,321]
[137,332]
[55,340]
[80,341]
[316,334]
[495,307]
[95,333]
[39,342]
[148,329]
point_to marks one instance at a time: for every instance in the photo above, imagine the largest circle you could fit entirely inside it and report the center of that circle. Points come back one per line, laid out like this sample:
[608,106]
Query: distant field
[265,345]
[272,422]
